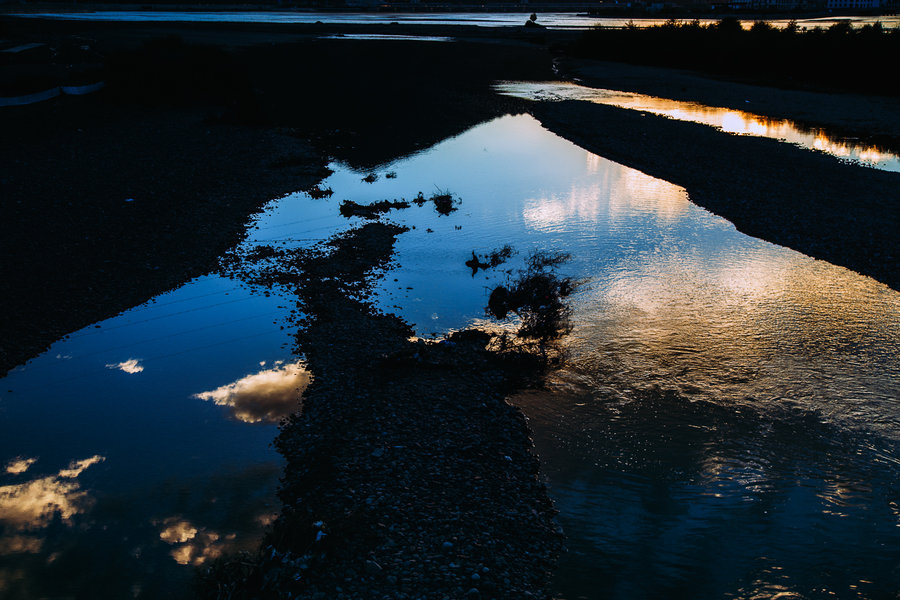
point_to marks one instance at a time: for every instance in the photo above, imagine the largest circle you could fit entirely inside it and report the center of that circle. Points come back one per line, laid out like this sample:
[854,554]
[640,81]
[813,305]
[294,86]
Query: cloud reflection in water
[33,505]
[130,366]
[269,395]
[19,465]
[616,194]
[193,545]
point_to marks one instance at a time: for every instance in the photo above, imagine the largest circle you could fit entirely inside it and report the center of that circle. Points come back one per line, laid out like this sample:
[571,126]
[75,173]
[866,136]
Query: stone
[372,567]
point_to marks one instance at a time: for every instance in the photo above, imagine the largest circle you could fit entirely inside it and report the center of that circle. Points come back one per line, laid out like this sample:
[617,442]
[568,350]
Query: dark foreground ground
[406,458]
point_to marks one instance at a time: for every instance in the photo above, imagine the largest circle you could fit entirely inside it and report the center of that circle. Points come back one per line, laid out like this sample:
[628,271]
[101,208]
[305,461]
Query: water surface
[139,447]
[729,120]
[727,425]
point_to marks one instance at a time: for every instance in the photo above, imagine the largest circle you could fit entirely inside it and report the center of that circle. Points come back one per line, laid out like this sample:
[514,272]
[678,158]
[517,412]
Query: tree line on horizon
[837,58]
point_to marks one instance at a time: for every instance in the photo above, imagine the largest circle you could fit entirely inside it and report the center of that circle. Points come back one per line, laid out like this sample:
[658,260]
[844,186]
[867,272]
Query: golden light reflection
[34,504]
[194,545]
[729,120]
[268,395]
[636,192]
[20,544]
[178,531]
[621,192]
[19,465]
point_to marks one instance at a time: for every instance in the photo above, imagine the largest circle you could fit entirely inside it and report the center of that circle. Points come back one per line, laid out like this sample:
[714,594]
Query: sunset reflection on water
[28,508]
[728,120]
[726,425]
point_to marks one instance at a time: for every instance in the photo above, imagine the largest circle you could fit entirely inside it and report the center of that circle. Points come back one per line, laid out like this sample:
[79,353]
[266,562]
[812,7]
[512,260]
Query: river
[726,425]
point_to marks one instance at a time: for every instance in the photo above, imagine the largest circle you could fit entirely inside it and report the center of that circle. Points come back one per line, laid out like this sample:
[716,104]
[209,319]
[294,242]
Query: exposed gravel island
[408,474]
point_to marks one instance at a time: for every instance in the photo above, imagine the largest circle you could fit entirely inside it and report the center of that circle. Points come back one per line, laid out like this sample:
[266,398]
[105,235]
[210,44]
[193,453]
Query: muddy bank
[408,475]
[813,203]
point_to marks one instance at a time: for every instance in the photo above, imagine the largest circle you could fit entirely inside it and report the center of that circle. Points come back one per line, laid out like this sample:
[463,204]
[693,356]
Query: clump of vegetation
[444,202]
[316,192]
[391,175]
[538,297]
[833,58]
[349,208]
[370,178]
[491,260]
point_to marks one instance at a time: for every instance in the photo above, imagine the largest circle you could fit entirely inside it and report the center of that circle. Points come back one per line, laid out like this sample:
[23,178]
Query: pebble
[372,567]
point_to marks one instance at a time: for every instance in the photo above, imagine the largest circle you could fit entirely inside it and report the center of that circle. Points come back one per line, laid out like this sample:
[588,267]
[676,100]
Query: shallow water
[727,426]
[731,121]
[135,449]
[551,20]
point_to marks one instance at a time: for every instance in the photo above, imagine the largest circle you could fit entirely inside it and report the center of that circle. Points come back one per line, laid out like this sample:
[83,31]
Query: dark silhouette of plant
[538,297]
[490,261]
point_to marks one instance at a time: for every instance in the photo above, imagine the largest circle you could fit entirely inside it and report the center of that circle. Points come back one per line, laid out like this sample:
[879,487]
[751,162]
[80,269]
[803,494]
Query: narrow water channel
[727,425]
[739,122]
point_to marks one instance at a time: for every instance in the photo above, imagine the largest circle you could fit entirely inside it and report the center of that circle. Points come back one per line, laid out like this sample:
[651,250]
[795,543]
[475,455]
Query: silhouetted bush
[489,261]
[841,57]
[538,297]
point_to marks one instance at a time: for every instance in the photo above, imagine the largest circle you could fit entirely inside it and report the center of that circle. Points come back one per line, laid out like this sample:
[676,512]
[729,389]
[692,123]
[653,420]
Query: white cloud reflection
[193,545]
[615,193]
[267,396]
[130,366]
[34,504]
[19,465]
